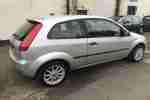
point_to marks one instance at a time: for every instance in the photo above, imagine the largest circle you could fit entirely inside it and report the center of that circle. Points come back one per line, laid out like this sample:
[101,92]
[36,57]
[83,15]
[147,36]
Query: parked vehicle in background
[49,47]
[146,23]
[133,23]
[116,18]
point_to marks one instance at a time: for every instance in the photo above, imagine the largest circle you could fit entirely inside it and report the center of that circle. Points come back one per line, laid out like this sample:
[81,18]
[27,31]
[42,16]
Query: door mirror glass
[117,34]
[125,32]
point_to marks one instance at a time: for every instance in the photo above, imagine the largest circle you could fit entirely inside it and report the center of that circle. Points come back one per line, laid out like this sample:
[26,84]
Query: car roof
[57,19]
[52,20]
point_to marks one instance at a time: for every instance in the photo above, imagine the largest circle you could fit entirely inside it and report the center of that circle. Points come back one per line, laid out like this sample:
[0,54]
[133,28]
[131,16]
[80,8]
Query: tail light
[25,44]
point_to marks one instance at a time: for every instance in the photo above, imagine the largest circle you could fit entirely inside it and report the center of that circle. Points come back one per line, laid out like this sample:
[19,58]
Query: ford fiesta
[49,47]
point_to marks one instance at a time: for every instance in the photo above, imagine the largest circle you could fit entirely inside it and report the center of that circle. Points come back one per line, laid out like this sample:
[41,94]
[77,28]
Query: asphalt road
[117,80]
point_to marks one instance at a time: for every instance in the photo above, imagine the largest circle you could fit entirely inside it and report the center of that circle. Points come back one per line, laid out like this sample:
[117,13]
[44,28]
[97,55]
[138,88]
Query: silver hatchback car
[50,47]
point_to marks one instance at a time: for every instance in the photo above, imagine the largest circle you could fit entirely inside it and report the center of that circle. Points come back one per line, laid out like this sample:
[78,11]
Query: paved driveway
[118,80]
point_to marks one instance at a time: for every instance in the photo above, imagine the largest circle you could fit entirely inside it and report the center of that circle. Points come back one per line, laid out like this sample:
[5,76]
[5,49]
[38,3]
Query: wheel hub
[54,74]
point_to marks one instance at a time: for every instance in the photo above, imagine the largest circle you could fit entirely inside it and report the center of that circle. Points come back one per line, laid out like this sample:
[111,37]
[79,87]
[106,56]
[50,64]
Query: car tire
[137,54]
[141,31]
[53,73]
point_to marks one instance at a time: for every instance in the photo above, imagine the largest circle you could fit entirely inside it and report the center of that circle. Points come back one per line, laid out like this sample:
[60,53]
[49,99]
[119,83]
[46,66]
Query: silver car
[49,47]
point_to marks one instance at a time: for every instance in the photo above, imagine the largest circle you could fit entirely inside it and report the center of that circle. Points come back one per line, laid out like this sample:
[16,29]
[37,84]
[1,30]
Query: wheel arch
[61,60]
[56,56]
[140,43]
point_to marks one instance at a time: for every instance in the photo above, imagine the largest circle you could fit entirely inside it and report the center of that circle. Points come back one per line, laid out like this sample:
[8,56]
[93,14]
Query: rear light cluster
[30,37]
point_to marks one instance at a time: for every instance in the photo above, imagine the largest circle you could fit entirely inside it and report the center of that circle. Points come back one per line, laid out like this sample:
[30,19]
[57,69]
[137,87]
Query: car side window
[66,30]
[101,28]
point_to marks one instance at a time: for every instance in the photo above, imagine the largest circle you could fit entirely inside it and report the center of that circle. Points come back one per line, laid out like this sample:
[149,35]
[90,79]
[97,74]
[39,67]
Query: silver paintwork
[43,49]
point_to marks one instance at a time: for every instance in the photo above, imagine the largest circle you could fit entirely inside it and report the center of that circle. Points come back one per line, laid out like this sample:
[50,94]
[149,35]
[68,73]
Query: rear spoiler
[36,19]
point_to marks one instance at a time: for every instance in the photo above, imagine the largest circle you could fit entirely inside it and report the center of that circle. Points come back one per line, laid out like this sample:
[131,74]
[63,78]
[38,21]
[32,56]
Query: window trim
[85,28]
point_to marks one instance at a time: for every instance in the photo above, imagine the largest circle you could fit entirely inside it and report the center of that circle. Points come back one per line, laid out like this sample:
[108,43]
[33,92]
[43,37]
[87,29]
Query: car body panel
[118,47]
[137,40]
[76,52]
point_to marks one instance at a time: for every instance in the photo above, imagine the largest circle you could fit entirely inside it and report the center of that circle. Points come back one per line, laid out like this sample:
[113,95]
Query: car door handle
[93,43]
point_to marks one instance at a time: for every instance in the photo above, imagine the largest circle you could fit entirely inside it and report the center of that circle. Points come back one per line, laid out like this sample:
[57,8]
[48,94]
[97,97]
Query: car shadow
[80,79]
[14,81]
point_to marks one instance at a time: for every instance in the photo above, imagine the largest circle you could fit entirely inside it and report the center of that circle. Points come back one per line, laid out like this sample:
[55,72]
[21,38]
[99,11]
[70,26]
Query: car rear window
[23,31]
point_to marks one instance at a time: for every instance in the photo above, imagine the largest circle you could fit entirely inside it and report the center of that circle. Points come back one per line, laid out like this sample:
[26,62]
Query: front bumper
[21,64]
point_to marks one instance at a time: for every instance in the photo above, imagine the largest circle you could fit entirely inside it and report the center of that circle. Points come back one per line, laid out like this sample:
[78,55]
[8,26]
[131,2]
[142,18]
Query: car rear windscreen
[23,31]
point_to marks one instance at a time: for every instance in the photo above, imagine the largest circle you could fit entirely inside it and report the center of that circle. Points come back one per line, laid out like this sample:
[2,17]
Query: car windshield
[131,19]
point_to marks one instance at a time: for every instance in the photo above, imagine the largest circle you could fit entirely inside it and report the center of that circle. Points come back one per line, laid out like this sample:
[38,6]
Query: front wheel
[141,31]
[137,54]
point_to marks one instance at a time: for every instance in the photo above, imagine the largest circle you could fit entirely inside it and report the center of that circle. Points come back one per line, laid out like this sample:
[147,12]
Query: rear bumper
[22,65]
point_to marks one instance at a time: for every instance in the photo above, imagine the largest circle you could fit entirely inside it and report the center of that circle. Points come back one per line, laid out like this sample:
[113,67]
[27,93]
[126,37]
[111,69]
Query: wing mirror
[117,34]
[122,33]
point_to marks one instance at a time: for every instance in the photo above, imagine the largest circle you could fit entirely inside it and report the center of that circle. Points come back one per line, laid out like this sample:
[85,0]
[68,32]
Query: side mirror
[117,34]
[125,33]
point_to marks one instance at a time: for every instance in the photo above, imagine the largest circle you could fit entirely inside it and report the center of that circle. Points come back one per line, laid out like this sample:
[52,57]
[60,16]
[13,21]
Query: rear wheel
[53,73]
[137,54]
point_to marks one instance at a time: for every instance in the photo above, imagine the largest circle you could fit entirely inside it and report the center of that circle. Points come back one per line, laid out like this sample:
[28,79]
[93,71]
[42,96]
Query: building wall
[14,12]
[98,7]
[143,7]
[123,7]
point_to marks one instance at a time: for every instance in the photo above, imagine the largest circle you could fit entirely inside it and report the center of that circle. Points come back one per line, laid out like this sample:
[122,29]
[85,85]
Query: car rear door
[105,41]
